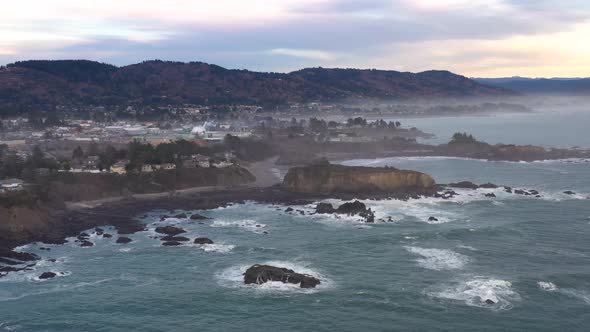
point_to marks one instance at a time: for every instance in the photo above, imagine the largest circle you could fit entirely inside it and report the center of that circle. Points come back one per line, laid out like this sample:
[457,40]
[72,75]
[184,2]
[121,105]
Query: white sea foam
[438,259]
[216,247]
[547,286]
[233,277]
[249,224]
[56,289]
[571,292]
[479,290]
[577,294]
[7,327]
[462,246]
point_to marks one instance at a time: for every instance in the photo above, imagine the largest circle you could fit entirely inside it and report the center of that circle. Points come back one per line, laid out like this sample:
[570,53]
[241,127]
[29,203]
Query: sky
[475,38]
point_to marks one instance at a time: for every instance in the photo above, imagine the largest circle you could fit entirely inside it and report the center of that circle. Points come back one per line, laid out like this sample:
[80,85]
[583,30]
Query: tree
[463,138]
[37,158]
[12,165]
[92,149]
[78,153]
[317,126]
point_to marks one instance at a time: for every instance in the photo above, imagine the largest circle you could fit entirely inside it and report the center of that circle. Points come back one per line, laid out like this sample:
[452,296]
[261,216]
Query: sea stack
[326,178]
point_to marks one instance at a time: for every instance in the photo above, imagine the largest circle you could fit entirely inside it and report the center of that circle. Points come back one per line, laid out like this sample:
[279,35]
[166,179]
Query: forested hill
[546,86]
[46,84]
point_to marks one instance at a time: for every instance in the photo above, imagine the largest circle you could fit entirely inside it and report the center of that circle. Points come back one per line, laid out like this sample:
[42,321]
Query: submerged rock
[464,185]
[203,240]
[289,209]
[123,240]
[47,275]
[259,274]
[196,216]
[569,192]
[170,230]
[175,238]
[490,302]
[492,195]
[107,236]
[432,219]
[488,186]
[83,236]
[86,244]
[171,243]
[181,216]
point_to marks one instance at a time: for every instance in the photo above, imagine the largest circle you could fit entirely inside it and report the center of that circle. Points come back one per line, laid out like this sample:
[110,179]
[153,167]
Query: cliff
[337,179]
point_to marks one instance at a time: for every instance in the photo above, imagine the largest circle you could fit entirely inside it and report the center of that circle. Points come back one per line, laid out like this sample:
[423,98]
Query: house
[147,168]
[195,161]
[167,166]
[119,167]
[221,164]
[11,184]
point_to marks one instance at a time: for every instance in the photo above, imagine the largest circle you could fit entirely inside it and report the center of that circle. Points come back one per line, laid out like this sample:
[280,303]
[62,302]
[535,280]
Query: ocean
[529,255]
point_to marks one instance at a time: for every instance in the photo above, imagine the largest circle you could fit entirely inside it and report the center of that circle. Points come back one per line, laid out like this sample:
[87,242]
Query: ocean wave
[438,259]
[216,247]
[547,286]
[56,289]
[481,292]
[385,161]
[233,277]
[249,224]
[6,326]
[571,292]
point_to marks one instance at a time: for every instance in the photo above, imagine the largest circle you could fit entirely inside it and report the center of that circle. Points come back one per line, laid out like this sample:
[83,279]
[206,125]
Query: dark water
[531,256]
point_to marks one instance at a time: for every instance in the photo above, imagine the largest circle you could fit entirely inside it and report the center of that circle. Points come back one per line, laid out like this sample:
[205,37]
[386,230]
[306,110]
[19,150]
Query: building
[147,168]
[119,167]
[221,164]
[11,184]
[195,161]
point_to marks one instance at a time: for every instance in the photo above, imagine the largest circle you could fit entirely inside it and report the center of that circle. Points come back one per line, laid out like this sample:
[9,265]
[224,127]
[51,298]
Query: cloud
[289,34]
[306,54]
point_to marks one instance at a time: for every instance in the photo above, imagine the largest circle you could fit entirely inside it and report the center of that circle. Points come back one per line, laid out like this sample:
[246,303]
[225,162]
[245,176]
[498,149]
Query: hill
[555,86]
[46,84]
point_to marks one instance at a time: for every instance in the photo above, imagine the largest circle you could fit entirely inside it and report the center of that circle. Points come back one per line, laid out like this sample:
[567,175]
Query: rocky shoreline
[124,214]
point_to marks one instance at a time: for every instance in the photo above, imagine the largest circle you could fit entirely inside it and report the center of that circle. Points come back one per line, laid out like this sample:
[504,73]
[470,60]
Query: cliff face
[18,224]
[333,179]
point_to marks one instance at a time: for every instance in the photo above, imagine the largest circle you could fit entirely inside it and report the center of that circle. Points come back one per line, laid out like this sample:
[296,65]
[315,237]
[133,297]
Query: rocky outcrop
[171,243]
[175,238]
[349,208]
[196,216]
[47,275]
[464,185]
[170,230]
[325,178]
[259,274]
[203,240]
[123,240]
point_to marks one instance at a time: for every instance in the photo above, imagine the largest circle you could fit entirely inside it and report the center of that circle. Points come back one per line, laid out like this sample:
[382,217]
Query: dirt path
[262,170]
[265,172]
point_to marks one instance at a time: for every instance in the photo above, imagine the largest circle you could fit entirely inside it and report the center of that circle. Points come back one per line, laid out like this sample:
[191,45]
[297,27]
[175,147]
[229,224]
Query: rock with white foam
[260,274]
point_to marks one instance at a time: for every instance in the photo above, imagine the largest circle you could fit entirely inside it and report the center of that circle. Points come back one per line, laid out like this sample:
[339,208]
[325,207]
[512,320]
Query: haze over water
[531,256]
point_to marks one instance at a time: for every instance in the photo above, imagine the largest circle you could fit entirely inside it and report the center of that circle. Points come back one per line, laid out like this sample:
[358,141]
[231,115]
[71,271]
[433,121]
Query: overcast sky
[485,38]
